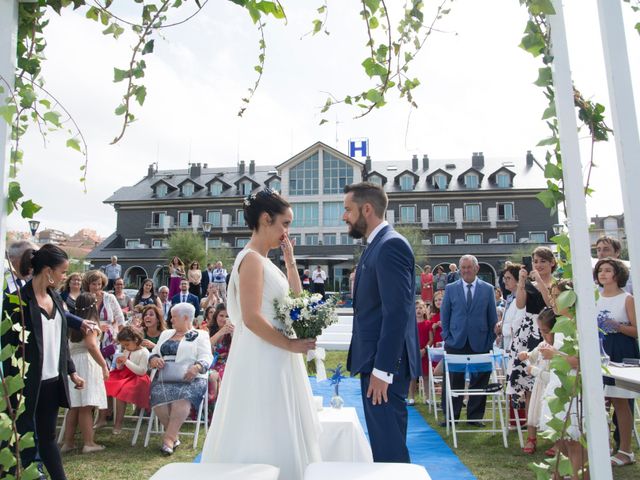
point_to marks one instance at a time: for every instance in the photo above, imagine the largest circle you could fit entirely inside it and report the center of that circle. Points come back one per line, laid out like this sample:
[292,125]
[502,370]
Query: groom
[384,345]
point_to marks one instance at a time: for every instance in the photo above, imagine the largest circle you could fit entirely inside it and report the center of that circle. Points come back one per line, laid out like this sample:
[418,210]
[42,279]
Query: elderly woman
[186,352]
[109,310]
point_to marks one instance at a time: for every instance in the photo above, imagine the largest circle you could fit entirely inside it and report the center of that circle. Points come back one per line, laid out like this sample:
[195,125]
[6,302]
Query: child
[423,340]
[129,382]
[436,327]
[91,366]
[539,368]
[617,323]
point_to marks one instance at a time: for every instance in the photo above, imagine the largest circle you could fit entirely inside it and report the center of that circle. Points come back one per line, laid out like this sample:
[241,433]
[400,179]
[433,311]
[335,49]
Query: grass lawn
[483,454]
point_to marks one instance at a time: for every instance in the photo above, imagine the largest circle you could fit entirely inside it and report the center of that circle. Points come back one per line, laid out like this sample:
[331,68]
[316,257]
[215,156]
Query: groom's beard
[358,229]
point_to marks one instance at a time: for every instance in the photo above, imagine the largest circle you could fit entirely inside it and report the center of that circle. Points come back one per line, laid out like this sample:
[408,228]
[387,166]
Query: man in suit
[468,317]
[207,278]
[384,344]
[185,297]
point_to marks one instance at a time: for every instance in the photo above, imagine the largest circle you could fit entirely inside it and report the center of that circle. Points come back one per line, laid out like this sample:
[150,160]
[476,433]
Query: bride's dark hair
[265,200]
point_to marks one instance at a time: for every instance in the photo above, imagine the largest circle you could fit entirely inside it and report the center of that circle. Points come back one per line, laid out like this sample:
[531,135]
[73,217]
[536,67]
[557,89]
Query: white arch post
[592,391]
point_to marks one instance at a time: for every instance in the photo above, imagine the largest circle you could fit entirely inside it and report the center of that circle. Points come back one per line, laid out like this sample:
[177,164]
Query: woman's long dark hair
[34,261]
[85,308]
[213,324]
[138,297]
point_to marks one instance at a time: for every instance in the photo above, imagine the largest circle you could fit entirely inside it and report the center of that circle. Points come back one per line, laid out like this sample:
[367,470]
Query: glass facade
[336,174]
[407,214]
[303,178]
[332,214]
[304,214]
[440,213]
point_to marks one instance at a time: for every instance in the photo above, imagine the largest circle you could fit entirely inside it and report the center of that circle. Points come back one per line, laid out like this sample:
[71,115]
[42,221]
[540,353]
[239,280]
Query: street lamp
[558,228]
[206,228]
[33,226]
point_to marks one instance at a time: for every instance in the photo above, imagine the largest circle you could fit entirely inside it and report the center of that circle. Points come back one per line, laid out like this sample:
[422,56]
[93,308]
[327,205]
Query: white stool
[370,471]
[217,471]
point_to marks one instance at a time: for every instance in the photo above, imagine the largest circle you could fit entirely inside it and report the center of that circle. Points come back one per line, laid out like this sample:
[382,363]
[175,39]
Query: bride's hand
[287,249]
[302,345]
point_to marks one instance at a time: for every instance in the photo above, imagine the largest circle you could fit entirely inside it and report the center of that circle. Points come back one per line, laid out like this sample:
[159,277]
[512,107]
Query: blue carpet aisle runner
[426,447]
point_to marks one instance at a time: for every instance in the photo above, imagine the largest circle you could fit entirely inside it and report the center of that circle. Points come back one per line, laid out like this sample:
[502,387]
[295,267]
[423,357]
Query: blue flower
[295,314]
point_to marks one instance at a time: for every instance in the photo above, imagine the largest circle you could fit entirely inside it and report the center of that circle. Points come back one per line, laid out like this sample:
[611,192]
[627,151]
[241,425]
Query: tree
[415,236]
[188,246]
[222,254]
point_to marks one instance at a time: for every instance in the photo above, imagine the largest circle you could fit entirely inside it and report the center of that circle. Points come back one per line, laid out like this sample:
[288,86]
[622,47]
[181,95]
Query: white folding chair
[202,418]
[636,421]
[434,355]
[470,364]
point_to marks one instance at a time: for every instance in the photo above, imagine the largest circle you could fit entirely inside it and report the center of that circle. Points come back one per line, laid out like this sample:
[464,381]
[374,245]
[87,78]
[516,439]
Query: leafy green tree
[188,246]
[415,236]
[222,254]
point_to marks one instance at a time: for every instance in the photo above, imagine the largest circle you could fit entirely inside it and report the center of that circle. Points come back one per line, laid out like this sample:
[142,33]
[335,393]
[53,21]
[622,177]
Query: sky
[476,94]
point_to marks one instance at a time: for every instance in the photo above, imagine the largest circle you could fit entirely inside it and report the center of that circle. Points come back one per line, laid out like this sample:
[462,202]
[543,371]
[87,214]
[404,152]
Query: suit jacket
[384,315]
[191,298]
[204,283]
[461,323]
[33,353]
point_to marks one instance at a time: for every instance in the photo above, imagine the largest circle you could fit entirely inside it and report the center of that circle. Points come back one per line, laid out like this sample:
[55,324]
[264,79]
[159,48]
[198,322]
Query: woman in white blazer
[182,358]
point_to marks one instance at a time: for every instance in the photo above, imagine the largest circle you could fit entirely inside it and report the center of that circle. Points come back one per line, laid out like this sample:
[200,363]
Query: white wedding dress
[265,411]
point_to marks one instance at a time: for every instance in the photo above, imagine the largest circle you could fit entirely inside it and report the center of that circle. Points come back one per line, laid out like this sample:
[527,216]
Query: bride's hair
[266,200]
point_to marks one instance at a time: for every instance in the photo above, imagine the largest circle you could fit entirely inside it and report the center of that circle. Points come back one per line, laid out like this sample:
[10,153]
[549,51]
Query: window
[332,214]
[214,242]
[161,190]
[471,180]
[345,239]
[305,214]
[538,237]
[132,243]
[472,212]
[303,178]
[503,180]
[440,181]
[473,238]
[157,219]
[311,239]
[246,188]
[329,239]
[184,219]
[295,238]
[440,213]
[441,239]
[375,179]
[215,188]
[407,214]
[336,174]
[275,185]
[188,189]
[507,237]
[242,242]
[214,217]
[240,219]
[505,211]
[158,243]
[406,182]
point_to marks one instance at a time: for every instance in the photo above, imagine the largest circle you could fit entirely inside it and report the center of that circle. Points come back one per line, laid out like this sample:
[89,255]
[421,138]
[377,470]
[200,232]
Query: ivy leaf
[552,171]
[29,209]
[7,112]
[374,96]
[52,117]
[317,25]
[141,94]
[372,5]
[537,7]
[565,300]
[119,75]
[544,77]
[13,384]
[74,143]
[565,326]
[559,364]
[547,198]
[148,47]
[373,23]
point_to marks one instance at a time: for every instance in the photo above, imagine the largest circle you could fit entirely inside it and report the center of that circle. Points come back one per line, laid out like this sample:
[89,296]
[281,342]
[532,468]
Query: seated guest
[185,297]
[181,348]
[213,297]
[146,295]
[220,332]
[129,382]
[165,302]
[152,326]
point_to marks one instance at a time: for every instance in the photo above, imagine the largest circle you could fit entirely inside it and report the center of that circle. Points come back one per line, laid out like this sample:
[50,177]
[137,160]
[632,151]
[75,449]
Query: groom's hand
[377,390]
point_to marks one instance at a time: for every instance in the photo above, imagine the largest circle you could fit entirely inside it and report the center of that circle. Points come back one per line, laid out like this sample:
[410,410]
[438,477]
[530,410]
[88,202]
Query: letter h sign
[359,145]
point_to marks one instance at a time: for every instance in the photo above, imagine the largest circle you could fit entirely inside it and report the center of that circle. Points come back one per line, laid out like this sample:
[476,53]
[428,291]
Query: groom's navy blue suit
[385,337]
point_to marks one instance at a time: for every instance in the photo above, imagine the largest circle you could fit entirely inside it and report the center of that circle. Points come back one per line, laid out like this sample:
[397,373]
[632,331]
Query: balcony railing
[475,219]
[507,218]
[442,220]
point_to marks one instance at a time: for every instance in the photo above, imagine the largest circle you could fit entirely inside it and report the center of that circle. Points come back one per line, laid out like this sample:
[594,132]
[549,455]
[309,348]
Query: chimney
[425,162]
[205,166]
[367,164]
[252,167]
[477,160]
[414,163]
[241,167]
[152,170]
[530,158]
[195,170]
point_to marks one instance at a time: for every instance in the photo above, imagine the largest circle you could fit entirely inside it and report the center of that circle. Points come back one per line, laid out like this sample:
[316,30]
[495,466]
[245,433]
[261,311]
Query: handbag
[173,372]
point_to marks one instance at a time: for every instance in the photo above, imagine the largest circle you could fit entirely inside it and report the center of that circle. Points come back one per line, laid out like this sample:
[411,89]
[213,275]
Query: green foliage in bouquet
[306,315]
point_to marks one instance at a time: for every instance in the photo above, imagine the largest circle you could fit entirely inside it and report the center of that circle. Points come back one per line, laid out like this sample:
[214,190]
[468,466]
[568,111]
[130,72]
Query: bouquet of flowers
[305,314]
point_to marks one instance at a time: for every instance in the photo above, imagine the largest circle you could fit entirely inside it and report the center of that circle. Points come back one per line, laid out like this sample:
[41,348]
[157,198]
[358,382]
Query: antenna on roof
[189,160]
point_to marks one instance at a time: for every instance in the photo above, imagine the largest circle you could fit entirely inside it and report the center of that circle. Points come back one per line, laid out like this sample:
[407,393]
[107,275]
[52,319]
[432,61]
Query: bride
[265,412]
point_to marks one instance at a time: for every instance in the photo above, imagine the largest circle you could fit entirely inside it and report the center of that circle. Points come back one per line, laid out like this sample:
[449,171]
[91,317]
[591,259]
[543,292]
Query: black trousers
[476,403]
[45,417]
[319,288]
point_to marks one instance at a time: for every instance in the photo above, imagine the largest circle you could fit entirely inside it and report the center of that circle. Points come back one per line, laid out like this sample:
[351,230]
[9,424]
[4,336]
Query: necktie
[469,297]
[184,299]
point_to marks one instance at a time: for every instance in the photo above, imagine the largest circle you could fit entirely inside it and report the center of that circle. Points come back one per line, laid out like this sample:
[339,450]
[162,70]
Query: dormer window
[406,183]
[188,189]
[275,185]
[245,188]
[440,181]
[215,188]
[503,180]
[375,179]
[161,190]
[471,180]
